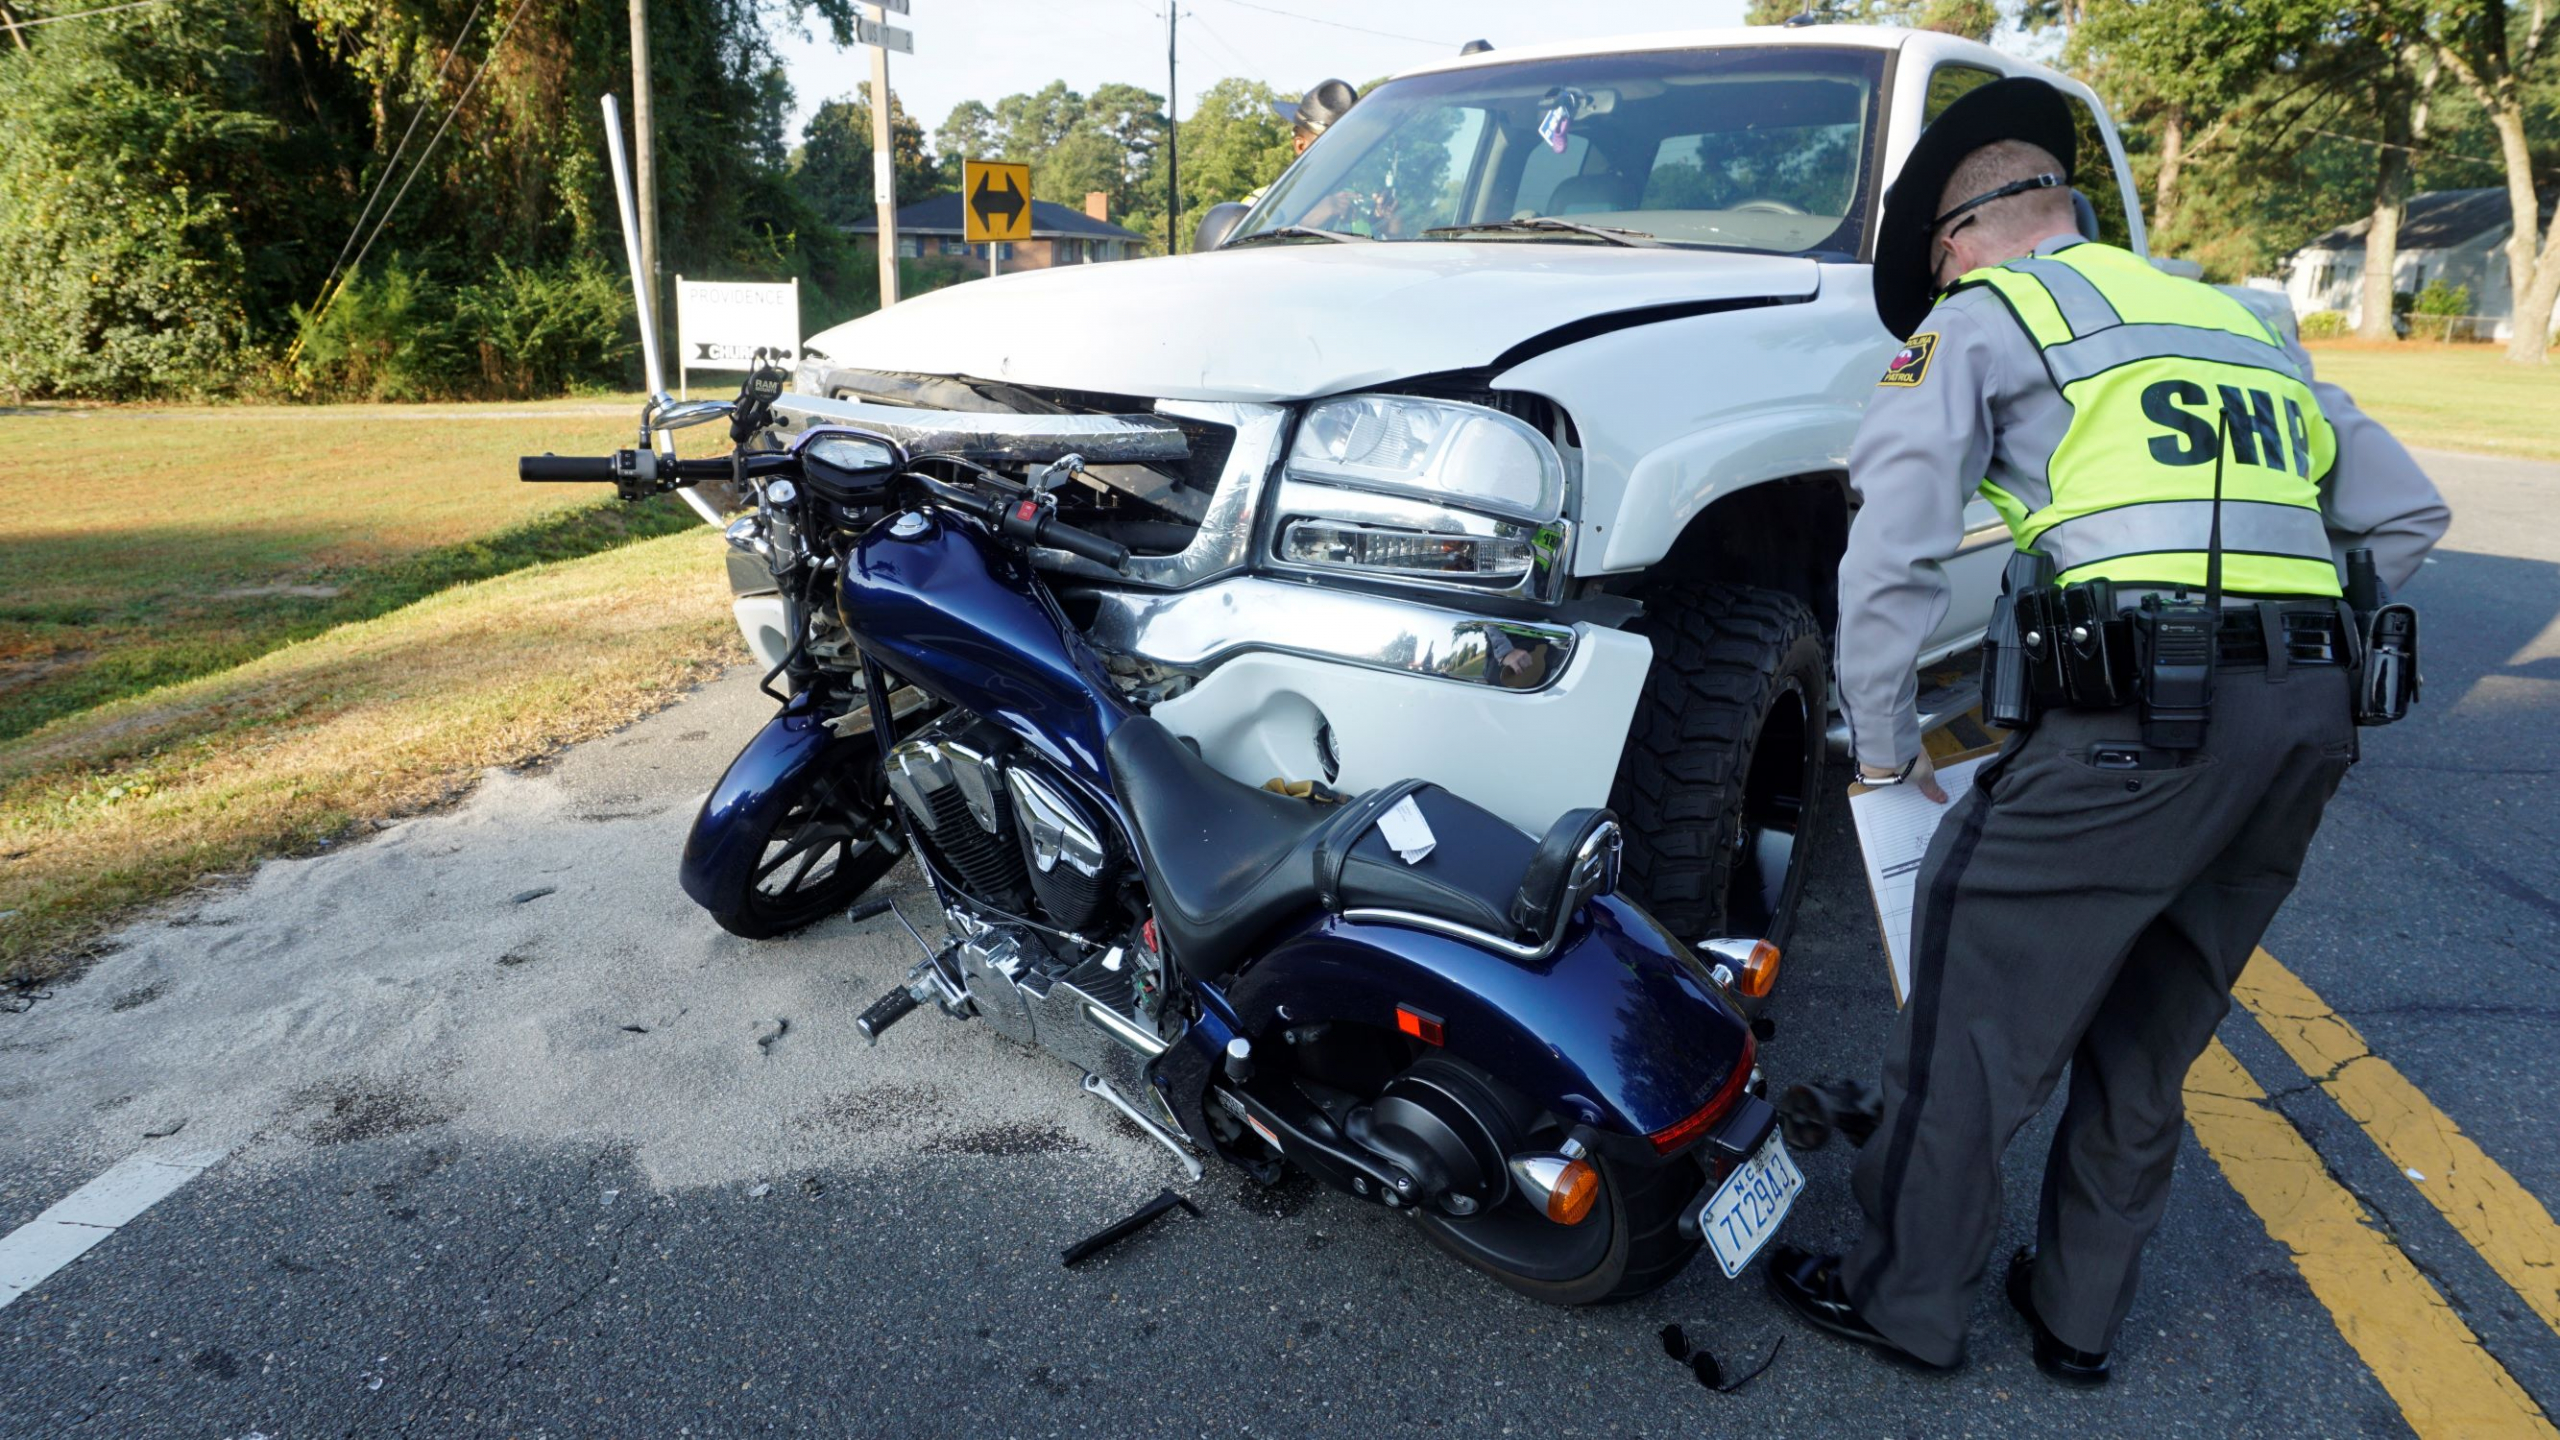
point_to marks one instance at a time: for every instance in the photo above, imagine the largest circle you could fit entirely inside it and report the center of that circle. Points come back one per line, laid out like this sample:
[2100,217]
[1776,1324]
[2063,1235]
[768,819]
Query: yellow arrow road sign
[996,196]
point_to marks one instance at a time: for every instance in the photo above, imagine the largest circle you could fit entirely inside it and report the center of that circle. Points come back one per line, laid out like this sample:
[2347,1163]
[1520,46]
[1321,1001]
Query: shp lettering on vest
[2156,370]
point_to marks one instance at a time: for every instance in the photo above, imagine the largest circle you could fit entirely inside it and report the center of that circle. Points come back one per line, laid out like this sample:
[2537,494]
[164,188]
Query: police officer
[1313,113]
[2090,899]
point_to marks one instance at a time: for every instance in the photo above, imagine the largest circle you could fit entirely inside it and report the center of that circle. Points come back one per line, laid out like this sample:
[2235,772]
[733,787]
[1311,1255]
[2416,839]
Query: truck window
[1761,149]
[1546,168]
[1948,84]
[2095,175]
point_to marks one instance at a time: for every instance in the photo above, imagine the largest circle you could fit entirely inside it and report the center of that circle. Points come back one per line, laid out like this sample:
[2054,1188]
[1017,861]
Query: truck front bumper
[1300,682]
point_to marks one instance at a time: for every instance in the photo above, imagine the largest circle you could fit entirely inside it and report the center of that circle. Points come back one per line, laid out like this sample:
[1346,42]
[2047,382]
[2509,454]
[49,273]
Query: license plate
[1747,1207]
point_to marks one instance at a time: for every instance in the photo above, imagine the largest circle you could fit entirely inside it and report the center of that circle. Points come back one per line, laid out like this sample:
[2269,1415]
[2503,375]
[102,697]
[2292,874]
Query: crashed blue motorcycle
[1395,992]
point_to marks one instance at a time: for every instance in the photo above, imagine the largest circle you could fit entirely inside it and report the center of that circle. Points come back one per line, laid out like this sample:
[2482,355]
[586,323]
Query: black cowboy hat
[2019,108]
[1325,102]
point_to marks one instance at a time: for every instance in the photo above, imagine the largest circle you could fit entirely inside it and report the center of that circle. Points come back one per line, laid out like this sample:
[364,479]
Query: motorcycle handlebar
[604,469]
[1047,529]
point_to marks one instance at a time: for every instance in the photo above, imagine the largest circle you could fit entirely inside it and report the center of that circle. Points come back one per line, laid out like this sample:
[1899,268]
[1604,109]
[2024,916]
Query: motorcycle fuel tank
[933,599]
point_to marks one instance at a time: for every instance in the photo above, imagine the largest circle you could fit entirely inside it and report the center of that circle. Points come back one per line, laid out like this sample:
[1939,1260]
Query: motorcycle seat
[1227,863]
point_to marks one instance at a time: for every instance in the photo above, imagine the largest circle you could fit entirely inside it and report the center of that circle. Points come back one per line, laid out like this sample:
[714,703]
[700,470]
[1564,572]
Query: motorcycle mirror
[1217,224]
[687,413]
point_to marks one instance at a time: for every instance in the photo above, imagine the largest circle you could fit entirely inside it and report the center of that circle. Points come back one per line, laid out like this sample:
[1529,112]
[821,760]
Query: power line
[1252,72]
[2412,149]
[451,51]
[76,15]
[423,156]
[1342,25]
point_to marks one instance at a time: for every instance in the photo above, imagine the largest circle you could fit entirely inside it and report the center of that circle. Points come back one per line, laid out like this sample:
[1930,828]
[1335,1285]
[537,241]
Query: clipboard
[1895,824]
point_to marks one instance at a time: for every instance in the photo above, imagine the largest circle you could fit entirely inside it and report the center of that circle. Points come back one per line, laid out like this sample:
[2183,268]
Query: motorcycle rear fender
[729,834]
[1621,1030]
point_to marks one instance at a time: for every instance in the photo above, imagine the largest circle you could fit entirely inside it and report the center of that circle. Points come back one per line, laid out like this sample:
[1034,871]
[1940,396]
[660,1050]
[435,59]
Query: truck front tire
[1720,783]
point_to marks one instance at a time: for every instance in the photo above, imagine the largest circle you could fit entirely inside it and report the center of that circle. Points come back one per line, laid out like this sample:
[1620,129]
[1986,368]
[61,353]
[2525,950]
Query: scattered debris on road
[772,1030]
[526,897]
[1154,1210]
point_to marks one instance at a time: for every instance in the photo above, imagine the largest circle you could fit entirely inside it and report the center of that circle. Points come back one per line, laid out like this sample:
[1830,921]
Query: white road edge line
[31,1253]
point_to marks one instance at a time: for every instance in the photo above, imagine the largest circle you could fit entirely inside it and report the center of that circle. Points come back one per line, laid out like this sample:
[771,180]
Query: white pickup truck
[1519,413]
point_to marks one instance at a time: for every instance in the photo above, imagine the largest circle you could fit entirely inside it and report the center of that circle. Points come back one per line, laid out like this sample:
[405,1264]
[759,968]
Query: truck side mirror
[2085,215]
[1218,223]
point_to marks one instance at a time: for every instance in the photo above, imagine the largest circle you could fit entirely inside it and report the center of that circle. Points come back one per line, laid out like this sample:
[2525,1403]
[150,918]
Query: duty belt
[2298,632]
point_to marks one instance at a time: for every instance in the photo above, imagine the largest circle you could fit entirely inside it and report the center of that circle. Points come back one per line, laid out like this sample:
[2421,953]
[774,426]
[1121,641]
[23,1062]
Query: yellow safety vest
[2151,366]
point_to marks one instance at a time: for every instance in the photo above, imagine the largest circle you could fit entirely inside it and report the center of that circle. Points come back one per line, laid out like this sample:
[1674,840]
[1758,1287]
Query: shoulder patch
[1910,364]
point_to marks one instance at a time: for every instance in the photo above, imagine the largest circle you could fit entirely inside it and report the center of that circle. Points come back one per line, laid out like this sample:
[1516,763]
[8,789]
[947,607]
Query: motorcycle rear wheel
[1629,1244]
[822,854]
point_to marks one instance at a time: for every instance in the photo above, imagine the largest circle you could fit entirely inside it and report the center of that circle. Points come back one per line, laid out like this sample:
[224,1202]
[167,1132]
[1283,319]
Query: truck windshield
[1758,148]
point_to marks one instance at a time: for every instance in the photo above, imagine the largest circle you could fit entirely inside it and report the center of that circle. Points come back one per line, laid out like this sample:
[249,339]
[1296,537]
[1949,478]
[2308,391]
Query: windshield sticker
[1556,128]
[1910,364]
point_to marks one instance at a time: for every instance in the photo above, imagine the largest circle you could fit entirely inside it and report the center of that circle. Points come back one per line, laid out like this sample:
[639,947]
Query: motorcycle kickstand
[1096,1085]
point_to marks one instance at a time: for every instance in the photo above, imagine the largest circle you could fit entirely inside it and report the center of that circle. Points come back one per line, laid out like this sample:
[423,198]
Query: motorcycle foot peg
[869,910]
[886,1011]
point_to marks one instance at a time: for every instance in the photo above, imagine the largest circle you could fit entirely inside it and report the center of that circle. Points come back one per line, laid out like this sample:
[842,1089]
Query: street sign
[720,326]
[998,196]
[887,37]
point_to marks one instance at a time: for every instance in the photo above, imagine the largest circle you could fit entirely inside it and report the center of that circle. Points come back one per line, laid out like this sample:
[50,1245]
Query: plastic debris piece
[1154,1210]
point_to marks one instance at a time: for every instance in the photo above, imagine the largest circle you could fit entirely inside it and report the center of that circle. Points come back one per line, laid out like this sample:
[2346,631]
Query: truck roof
[1868,37]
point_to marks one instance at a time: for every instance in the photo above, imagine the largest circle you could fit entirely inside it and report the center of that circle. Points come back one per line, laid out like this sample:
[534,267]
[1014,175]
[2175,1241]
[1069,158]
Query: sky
[988,49]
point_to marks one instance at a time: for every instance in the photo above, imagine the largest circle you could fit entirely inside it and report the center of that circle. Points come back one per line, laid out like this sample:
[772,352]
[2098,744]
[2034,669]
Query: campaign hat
[2021,107]
[1325,102]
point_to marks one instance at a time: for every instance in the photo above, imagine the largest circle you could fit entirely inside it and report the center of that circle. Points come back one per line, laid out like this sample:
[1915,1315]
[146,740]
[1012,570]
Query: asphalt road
[492,1161]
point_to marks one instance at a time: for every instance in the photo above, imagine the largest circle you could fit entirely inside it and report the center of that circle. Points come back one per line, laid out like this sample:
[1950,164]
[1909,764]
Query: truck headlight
[1433,449]
[1434,492]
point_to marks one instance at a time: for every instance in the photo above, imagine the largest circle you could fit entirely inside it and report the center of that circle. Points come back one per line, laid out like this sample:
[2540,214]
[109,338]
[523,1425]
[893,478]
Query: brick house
[1059,236]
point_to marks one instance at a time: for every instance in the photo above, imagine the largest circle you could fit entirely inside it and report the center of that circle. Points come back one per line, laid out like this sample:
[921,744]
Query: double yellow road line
[2421,1350]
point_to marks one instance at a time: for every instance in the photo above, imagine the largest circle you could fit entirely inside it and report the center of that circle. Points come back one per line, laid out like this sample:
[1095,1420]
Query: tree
[2403,88]
[1232,145]
[832,170]
[2499,55]
[1973,18]
[967,133]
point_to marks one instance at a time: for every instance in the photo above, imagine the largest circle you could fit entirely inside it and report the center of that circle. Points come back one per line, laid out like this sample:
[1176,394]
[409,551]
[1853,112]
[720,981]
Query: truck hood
[1288,321]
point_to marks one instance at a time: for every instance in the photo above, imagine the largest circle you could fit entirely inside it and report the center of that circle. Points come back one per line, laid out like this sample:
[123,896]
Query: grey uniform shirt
[1985,407]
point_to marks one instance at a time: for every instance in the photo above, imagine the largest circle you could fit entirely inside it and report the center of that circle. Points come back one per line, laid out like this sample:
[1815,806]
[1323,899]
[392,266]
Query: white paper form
[1895,823]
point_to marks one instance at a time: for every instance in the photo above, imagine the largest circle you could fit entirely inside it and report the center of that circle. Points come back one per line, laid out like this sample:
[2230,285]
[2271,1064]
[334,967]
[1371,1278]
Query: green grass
[145,549]
[2450,397]
[226,634]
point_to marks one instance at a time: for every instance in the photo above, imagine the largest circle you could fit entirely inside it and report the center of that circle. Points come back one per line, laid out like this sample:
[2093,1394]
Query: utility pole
[884,160]
[1172,130]
[644,151]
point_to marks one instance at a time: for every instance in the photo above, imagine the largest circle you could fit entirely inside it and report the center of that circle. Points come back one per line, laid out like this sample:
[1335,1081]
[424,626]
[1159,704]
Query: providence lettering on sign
[720,325]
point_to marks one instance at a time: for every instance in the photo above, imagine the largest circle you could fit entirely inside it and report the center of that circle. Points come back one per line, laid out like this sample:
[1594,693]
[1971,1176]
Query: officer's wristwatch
[1898,777]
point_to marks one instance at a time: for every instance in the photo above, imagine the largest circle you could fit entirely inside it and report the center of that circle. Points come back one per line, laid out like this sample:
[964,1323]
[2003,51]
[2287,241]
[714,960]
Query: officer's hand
[1924,776]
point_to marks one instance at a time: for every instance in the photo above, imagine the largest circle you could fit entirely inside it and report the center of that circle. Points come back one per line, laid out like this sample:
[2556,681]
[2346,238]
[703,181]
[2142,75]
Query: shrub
[387,336]
[542,331]
[2324,325]
[2442,299]
[119,275]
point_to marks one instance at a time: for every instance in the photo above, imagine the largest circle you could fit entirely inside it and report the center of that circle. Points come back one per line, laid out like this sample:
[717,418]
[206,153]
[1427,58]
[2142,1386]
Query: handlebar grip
[1058,535]
[596,468]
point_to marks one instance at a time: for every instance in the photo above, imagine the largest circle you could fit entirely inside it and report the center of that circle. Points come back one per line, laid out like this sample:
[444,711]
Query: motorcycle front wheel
[1629,1244]
[832,842]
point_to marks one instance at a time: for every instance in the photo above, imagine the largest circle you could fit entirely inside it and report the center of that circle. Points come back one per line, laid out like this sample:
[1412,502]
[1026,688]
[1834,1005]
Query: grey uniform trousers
[2094,917]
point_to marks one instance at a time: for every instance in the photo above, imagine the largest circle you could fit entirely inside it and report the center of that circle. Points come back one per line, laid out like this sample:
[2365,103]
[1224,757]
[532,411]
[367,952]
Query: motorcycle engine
[1003,829]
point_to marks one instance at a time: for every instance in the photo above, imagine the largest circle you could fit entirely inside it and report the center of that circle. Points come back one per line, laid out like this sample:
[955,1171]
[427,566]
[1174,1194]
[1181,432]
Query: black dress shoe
[2087,1369]
[1809,1284]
